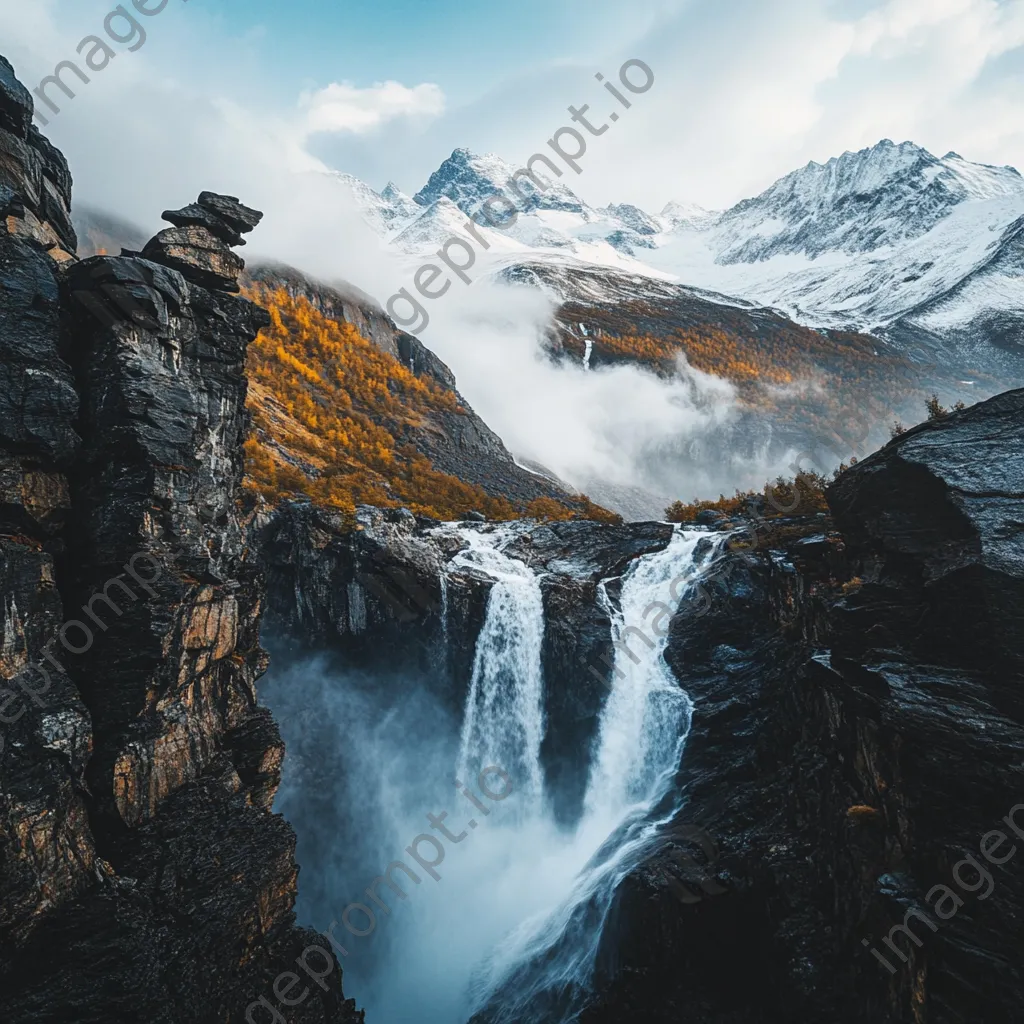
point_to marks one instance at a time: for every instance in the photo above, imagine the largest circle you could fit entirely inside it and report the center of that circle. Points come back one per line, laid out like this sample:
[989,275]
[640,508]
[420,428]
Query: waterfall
[647,715]
[503,722]
[588,351]
[544,968]
[516,886]
[445,639]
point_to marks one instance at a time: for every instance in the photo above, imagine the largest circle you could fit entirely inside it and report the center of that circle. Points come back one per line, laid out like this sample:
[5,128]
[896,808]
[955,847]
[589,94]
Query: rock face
[47,852]
[35,185]
[940,512]
[857,735]
[142,874]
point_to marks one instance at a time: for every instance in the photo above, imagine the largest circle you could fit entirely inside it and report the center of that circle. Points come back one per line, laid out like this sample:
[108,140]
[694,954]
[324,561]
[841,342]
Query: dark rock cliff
[142,874]
[858,733]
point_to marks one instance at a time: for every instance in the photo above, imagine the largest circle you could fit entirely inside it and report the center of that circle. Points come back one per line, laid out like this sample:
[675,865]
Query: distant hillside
[799,388]
[103,234]
[341,419]
[890,241]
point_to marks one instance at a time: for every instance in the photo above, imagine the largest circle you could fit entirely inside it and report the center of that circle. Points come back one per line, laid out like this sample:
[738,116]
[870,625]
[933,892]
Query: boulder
[940,509]
[195,215]
[198,255]
[242,218]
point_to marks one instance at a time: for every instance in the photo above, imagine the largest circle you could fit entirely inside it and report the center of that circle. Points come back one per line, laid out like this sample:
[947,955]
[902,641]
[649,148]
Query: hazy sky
[745,91]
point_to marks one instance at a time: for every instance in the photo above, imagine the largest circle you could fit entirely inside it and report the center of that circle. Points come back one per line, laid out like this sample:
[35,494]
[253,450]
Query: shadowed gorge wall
[143,874]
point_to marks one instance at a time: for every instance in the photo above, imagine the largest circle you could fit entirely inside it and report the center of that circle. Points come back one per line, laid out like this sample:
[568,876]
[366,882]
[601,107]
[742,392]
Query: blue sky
[466,46]
[745,91]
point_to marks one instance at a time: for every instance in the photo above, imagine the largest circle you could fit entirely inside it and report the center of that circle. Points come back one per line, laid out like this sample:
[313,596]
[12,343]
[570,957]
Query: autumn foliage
[333,419]
[800,497]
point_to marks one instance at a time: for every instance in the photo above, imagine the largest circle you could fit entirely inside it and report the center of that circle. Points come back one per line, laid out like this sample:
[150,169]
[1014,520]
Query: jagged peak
[469,178]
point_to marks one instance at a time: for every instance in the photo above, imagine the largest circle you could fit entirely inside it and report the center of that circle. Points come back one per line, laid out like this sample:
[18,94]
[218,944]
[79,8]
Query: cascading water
[545,967]
[647,715]
[504,719]
[369,767]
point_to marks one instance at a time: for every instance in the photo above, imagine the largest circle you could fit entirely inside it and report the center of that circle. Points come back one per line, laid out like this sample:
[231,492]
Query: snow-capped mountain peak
[403,205]
[468,180]
[635,218]
[859,202]
[982,181]
[887,235]
[688,216]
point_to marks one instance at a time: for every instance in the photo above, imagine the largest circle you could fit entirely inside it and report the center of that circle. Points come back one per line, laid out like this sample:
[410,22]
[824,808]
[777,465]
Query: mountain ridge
[861,242]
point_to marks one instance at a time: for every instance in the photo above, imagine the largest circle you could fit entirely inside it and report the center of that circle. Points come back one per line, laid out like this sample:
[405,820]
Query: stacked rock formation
[142,874]
[198,246]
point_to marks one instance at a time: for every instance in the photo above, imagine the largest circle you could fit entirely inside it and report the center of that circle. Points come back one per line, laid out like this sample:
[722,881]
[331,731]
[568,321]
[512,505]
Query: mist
[369,757]
[607,431]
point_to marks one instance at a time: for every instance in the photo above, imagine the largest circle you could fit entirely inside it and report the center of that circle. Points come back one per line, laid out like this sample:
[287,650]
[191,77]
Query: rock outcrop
[198,246]
[142,873]
[35,185]
[857,734]
[47,852]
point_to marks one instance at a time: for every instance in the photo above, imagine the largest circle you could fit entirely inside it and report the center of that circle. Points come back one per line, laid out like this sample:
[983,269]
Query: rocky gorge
[849,746]
[853,724]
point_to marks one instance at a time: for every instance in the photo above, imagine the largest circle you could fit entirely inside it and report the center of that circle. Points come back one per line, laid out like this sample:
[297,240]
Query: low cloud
[343,107]
[608,431]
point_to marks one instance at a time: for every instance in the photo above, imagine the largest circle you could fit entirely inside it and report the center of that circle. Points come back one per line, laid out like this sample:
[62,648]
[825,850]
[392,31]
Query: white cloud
[342,107]
[746,91]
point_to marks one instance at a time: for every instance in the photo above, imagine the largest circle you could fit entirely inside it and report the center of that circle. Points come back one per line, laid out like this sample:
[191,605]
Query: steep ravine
[857,732]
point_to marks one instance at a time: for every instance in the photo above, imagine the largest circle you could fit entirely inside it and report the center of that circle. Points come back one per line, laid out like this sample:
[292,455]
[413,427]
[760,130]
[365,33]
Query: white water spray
[647,716]
[545,967]
[504,718]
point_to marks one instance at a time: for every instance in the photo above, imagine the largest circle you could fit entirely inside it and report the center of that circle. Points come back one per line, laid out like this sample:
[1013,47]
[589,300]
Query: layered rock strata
[142,873]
